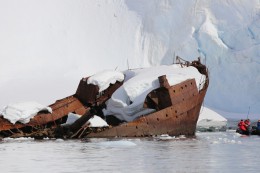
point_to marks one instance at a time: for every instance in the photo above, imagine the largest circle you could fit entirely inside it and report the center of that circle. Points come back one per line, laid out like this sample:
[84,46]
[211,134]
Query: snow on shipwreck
[134,103]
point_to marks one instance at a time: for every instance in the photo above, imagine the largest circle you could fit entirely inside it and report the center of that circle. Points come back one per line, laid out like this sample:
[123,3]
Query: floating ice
[165,137]
[117,144]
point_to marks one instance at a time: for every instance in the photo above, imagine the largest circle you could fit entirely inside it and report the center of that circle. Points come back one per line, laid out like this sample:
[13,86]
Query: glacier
[46,46]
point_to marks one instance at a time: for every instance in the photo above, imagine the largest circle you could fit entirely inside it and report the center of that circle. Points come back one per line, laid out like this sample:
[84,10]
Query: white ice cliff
[46,47]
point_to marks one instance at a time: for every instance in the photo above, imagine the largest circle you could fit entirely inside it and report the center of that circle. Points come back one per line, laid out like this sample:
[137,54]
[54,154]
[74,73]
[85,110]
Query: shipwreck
[168,108]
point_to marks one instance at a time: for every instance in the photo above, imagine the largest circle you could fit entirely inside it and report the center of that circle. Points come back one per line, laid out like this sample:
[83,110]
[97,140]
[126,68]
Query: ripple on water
[206,152]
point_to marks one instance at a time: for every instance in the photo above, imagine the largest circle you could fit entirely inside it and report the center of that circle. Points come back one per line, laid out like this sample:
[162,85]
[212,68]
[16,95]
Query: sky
[47,46]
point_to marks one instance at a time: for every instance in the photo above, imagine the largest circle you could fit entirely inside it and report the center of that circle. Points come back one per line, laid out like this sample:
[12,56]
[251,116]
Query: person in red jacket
[247,122]
[242,125]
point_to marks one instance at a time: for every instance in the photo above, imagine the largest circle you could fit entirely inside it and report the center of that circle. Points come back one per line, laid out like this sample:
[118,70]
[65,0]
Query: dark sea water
[206,152]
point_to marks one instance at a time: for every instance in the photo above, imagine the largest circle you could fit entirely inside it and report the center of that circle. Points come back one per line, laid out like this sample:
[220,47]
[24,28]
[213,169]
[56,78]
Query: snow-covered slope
[46,46]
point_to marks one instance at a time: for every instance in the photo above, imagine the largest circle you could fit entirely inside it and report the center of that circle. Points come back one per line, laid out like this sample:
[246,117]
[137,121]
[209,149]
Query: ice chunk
[95,121]
[72,118]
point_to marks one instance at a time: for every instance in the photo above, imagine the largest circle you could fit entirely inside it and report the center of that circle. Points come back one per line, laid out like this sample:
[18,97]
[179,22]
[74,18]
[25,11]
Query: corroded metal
[87,97]
[60,109]
[176,112]
[178,119]
[89,94]
[177,109]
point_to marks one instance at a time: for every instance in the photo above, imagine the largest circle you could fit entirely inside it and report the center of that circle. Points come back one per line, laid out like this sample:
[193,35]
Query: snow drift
[23,112]
[94,121]
[127,101]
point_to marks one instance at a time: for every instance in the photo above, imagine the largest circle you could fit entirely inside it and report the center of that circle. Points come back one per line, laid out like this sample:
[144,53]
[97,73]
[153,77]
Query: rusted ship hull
[178,119]
[176,113]
[61,108]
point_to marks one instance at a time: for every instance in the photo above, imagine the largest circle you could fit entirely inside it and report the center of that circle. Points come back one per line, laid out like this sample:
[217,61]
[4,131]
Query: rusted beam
[60,109]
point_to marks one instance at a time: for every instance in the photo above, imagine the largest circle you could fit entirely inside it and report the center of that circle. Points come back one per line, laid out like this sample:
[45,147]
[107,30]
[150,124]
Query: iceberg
[210,120]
